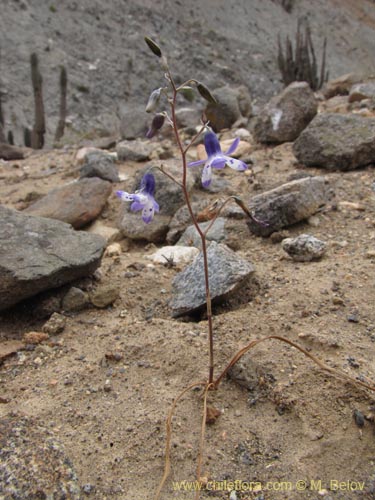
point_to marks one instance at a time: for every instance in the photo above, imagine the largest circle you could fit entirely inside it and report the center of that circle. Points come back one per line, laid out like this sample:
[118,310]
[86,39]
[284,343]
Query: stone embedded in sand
[227,273]
[232,105]
[335,141]
[304,248]
[134,150]
[286,115]
[217,233]
[37,254]
[174,255]
[100,164]
[77,203]
[361,91]
[287,204]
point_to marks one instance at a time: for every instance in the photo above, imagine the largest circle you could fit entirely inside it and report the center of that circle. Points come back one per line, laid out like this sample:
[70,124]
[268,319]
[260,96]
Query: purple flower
[216,159]
[143,199]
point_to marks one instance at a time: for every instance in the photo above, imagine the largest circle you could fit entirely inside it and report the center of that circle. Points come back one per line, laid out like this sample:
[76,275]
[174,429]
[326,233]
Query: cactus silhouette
[39,129]
[62,112]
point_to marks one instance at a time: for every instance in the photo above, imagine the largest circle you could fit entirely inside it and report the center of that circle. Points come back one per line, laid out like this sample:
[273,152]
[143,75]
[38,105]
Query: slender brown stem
[321,365]
[167,466]
[197,227]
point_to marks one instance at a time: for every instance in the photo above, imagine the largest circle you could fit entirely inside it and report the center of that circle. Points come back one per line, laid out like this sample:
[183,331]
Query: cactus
[62,115]
[39,129]
[10,138]
[301,64]
[27,137]
[2,133]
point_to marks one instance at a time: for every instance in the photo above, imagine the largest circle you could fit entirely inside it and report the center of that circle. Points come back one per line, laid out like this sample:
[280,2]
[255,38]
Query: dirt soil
[105,384]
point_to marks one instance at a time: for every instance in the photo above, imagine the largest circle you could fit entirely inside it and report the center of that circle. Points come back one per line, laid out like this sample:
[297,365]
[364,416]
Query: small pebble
[359,418]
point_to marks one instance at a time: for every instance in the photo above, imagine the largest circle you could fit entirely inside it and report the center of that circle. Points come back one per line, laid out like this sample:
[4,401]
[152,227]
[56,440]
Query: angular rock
[216,233]
[37,254]
[110,234]
[227,273]
[134,150]
[232,105]
[99,164]
[286,115]
[287,204]
[174,255]
[132,226]
[362,91]
[181,220]
[335,141]
[55,324]
[304,248]
[77,203]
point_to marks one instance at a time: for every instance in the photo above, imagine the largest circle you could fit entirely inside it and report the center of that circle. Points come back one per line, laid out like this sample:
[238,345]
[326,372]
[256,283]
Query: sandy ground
[294,435]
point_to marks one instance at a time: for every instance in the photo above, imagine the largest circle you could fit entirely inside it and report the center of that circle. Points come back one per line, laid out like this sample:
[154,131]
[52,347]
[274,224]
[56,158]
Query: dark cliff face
[109,64]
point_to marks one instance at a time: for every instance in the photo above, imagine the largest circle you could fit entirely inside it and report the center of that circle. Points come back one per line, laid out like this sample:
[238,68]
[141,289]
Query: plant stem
[200,232]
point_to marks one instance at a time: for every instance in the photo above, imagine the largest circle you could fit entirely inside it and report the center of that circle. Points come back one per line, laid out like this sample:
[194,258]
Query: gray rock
[75,300]
[227,273]
[181,220]
[216,233]
[287,204]
[133,121]
[188,117]
[37,254]
[99,164]
[34,464]
[134,150]
[77,203]
[286,115]
[232,105]
[132,226]
[304,248]
[55,324]
[335,141]
[362,91]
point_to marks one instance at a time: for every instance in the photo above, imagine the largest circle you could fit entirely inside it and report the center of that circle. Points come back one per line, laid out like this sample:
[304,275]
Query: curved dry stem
[201,441]
[218,213]
[167,466]
[321,365]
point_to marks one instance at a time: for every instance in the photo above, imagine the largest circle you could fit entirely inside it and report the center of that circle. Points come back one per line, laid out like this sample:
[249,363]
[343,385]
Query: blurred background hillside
[217,41]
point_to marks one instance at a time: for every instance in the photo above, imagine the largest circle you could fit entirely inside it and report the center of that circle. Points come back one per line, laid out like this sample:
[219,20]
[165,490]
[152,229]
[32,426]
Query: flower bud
[153,101]
[154,47]
[205,93]
[156,125]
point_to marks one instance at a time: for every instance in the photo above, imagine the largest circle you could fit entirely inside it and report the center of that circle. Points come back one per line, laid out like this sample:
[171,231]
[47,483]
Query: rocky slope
[109,66]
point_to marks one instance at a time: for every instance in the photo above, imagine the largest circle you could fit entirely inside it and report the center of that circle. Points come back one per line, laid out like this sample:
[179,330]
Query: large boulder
[286,115]
[287,204]
[37,254]
[335,141]
[77,203]
[227,273]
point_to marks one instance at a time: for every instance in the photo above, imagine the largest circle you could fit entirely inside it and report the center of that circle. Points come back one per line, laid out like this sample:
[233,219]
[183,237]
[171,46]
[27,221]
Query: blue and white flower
[143,199]
[216,158]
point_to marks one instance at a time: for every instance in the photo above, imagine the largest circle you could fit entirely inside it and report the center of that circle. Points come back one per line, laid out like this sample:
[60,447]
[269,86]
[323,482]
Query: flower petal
[148,211]
[124,196]
[218,161]
[136,206]
[196,163]
[148,183]
[238,165]
[206,175]
[233,146]
[211,144]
